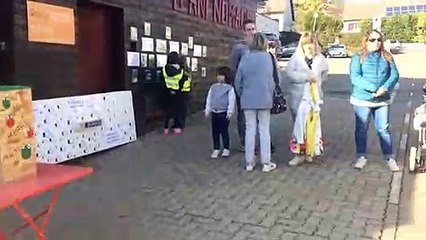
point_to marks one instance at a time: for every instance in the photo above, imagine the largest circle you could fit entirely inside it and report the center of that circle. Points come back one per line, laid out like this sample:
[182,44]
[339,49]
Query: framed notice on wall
[50,24]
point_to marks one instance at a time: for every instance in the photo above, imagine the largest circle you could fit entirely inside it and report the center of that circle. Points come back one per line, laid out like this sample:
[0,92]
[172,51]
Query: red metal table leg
[2,235]
[31,220]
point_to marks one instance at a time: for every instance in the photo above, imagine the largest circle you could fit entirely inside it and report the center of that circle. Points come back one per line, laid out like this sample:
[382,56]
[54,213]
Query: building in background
[397,7]
[281,10]
[354,11]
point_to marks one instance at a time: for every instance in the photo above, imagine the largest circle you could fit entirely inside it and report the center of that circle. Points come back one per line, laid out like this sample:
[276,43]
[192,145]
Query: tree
[401,27]
[327,26]
[420,28]
[366,25]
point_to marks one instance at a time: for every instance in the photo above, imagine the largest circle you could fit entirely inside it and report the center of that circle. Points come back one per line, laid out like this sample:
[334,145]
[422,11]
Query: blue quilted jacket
[373,73]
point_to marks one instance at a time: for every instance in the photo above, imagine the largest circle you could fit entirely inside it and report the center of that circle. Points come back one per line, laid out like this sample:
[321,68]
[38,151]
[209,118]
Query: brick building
[98,39]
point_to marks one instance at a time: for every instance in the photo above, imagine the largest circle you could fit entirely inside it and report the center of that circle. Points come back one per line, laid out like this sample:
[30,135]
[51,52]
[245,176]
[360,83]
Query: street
[167,188]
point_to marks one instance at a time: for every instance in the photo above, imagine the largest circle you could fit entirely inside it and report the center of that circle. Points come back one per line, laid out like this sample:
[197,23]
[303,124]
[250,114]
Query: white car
[393,46]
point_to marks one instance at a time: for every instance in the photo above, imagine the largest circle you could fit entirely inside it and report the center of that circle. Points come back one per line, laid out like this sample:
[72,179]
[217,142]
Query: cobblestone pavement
[168,188]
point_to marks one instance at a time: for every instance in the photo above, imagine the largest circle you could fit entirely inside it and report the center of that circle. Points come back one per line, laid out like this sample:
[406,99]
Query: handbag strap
[274,70]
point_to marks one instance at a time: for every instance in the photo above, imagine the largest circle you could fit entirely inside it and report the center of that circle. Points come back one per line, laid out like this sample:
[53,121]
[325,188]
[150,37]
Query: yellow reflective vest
[187,85]
[172,82]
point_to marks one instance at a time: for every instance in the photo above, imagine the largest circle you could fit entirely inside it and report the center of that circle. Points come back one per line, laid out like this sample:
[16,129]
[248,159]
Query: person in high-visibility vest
[173,78]
[186,88]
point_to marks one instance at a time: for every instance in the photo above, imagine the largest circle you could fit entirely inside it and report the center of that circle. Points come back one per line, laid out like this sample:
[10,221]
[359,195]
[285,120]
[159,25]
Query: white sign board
[71,127]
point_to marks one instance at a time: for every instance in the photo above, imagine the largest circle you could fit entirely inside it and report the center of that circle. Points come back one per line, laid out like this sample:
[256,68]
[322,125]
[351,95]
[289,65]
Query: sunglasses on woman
[375,39]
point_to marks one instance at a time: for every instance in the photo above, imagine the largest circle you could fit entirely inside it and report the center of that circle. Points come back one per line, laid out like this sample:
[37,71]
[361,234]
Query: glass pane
[396,9]
[419,8]
[389,14]
[404,8]
[388,9]
[412,8]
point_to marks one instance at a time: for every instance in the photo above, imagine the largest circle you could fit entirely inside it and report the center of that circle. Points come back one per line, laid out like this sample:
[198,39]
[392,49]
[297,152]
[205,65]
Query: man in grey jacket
[240,49]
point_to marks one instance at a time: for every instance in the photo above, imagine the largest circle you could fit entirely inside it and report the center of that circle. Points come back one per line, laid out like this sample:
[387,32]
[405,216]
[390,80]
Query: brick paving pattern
[168,188]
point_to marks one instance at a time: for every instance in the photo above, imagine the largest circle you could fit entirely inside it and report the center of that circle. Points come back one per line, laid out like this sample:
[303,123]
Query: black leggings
[220,127]
[175,110]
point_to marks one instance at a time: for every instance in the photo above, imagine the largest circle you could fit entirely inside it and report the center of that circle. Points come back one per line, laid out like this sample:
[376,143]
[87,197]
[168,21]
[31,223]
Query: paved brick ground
[412,206]
[168,188]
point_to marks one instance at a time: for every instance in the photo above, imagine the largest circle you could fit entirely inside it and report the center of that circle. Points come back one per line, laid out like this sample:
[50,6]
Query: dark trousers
[175,111]
[220,127]
[241,123]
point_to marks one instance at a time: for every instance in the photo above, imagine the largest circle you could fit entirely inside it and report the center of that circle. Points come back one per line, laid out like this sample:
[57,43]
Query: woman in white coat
[306,71]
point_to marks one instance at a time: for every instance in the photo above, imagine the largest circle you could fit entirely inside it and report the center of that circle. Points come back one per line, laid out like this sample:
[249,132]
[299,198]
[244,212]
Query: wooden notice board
[50,24]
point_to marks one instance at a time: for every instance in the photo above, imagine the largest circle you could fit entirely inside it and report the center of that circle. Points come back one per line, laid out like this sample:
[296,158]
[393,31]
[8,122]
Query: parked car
[392,45]
[289,49]
[337,50]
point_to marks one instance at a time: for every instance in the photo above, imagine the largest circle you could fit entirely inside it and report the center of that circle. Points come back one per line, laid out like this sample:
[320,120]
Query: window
[352,26]
[412,9]
[389,11]
[396,10]
[404,9]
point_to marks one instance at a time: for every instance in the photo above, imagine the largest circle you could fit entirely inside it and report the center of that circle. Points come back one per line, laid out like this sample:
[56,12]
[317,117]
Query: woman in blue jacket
[373,74]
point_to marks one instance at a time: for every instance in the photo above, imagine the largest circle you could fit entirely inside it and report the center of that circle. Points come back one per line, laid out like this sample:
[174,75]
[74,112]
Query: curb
[390,220]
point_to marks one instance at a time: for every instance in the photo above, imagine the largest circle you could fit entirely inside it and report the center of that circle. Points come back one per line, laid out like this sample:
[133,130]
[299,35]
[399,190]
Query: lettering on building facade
[223,12]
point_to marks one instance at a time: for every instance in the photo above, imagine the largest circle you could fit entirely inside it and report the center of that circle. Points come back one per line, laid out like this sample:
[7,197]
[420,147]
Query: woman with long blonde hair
[306,70]
[373,75]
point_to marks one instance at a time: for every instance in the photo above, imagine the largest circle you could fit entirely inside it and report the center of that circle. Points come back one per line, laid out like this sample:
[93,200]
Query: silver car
[337,50]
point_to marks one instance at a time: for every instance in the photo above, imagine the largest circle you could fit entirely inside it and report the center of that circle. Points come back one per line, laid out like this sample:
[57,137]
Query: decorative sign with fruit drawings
[71,127]
[17,138]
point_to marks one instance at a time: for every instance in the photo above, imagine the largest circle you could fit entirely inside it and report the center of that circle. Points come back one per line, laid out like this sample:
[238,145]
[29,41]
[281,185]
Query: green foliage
[420,28]
[327,26]
[366,25]
[401,27]
[351,40]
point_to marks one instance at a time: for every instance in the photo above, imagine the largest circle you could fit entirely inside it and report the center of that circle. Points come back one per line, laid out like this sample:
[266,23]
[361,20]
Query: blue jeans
[381,122]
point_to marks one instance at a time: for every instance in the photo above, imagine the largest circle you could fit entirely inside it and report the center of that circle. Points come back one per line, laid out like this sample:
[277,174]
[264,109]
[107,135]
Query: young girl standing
[220,104]
[307,70]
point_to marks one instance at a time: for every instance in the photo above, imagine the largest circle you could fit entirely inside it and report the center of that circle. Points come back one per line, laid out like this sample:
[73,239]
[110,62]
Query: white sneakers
[393,166]
[215,154]
[225,153]
[362,161]
[298,159]
[269,167]
[266,167]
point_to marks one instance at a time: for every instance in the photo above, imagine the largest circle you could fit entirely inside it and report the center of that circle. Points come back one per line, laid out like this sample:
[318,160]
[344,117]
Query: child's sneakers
[226,153]
[177,130]
[215,154]
[166,131]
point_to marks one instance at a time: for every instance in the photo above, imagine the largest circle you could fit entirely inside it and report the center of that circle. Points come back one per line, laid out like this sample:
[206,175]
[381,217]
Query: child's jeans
[220,127]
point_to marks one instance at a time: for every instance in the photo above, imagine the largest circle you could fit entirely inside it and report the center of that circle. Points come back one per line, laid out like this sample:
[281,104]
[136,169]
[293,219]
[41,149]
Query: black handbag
[279,104]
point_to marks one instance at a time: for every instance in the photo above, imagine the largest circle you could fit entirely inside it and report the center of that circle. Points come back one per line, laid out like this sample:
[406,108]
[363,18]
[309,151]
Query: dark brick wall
[6,37]
[51,69]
